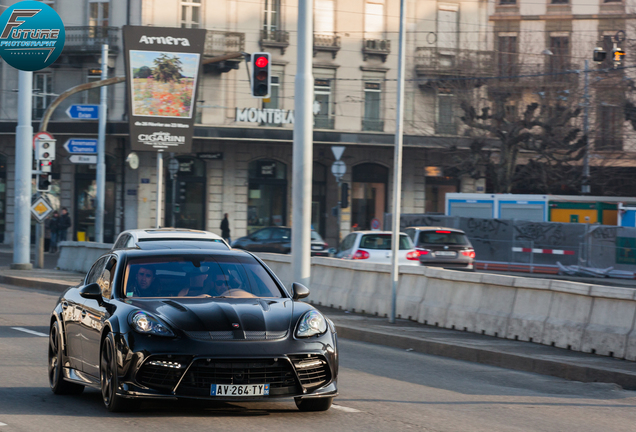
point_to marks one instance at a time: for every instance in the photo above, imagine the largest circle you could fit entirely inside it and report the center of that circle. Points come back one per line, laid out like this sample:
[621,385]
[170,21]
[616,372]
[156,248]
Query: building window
[42,93]
[93,95]
[322,105]
[190,13]
[372,107]
[559,2]
[374,19]
[446,124]
[271,22]
[609,134]
[560,58]
[273,102]
[612,1]
[507,56]
[324,17]
[508,2]
[98,13]
[447,29]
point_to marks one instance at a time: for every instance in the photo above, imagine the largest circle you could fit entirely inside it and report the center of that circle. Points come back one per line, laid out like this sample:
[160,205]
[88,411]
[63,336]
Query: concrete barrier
[80,256]
[569,313]
[530,310]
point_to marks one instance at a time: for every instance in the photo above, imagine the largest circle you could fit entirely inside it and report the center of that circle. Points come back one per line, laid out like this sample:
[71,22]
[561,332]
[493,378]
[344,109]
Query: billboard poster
[163,66]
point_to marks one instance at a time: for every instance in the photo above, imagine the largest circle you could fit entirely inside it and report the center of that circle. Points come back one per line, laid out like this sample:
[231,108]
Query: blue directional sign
[81,146]
[83,112]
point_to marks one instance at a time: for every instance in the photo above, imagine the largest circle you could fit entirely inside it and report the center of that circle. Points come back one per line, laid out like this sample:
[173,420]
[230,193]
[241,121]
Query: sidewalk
[408,335]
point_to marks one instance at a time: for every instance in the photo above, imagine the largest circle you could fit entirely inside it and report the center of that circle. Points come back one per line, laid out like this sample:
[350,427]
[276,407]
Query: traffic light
[599,55]
[261,77]
[344,195]
[45,150]
[43,182]
[618,55]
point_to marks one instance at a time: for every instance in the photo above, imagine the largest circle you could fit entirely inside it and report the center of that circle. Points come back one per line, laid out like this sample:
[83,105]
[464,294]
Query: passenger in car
[197,277]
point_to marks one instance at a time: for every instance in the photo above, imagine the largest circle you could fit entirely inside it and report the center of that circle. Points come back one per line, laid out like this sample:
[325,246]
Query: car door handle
[64,305]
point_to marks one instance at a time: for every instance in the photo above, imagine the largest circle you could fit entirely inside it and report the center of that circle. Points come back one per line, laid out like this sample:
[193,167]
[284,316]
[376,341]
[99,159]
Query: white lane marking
[3,424]
[345,409]
[33,332]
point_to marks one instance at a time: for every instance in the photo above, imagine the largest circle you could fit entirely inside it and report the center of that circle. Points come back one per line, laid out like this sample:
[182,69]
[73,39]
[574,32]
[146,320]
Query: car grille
[203,373]
[230,335]
[162,373]
[313,370]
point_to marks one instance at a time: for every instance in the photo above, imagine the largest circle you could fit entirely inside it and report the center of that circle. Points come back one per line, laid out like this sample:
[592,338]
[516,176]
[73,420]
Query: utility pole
[23,167]
[303,148]
[585,184]
[159,186]
[101,151]
[397,164]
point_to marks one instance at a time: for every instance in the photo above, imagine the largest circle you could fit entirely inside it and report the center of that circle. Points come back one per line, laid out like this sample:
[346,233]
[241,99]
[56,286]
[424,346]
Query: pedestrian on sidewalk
[53,226]
[225,230]
[63,225]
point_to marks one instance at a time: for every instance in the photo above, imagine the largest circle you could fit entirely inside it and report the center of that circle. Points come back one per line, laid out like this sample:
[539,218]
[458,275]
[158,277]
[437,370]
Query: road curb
[34,283]
[506,360]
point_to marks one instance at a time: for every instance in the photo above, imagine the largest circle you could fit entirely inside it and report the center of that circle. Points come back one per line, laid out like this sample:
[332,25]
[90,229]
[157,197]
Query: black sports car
[204,324]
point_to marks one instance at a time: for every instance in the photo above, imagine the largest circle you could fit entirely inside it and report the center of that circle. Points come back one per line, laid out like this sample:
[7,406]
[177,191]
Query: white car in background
[375,247]
[130,238]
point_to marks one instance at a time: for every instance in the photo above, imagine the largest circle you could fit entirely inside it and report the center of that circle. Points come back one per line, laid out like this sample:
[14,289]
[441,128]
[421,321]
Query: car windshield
[443,237]
[383,242]
[316,237]
[199,276]
[179,239]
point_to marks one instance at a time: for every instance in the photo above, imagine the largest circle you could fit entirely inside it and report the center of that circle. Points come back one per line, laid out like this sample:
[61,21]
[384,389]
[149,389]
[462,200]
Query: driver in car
[145,284]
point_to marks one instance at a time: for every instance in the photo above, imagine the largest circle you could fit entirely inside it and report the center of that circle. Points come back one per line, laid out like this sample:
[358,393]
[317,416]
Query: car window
[411,233]
[121,241]
[208,276]
[262,234]
[347,243]
[95,272]
[130,242]
[383,242]
[281,234]
[443,237]
[105,280]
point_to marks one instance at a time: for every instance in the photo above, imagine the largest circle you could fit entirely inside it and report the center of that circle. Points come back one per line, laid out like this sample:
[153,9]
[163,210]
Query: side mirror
[300,291]
[91,291]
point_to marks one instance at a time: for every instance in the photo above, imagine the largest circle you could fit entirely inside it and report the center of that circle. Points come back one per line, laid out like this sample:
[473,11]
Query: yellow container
[81,236]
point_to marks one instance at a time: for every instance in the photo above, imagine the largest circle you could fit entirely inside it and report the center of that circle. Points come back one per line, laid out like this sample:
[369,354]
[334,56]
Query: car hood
[215,314]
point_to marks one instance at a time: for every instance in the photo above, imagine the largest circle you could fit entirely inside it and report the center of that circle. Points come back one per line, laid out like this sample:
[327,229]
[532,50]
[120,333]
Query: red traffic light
[261,62]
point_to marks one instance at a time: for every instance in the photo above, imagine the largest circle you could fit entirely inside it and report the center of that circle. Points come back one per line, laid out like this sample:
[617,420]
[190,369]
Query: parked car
[278,240]
[443,247]
[215,325]
[131,238]
[375,247]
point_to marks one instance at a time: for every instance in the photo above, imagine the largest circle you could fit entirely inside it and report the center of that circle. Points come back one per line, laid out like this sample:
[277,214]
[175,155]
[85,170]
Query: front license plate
[240,390]
[446,254]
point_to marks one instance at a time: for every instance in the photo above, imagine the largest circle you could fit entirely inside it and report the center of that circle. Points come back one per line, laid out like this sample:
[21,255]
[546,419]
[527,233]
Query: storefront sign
[162,69]
[264,115]
[267,169]
[210,156]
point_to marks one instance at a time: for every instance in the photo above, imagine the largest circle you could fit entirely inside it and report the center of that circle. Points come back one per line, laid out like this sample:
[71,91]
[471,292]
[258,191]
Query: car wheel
[110,381]
[58,385]
[313,404]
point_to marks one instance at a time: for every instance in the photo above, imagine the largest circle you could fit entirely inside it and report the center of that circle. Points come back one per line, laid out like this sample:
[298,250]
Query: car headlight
[145,323]
[311,324]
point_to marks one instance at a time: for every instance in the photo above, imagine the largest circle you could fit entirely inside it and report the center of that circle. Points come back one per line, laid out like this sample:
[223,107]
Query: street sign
[83,159]
[42,136]
[375,224]
[41,208]
[81,146]
[338,169]
[83,112]
[337,151]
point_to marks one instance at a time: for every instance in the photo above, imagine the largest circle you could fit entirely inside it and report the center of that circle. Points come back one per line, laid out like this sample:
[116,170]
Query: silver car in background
[375,247]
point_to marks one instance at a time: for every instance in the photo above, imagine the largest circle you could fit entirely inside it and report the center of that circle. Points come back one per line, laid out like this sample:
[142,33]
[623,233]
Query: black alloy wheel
[110,381]
[56,380]
[314,404]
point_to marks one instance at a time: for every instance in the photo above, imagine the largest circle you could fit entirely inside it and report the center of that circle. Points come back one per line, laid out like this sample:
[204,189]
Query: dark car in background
[214,325]
[443,247]
[278,240]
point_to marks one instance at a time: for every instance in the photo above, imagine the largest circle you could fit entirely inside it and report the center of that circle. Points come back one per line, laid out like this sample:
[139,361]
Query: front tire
[314,405]
[56,380]
[109,379]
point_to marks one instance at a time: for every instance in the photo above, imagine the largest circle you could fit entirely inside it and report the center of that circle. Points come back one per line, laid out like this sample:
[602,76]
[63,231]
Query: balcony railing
[446,128]
[89,39]
[373,125]
[380,47]
[327,42]
[323,122]
[223,42]
[275,39]
[445,62]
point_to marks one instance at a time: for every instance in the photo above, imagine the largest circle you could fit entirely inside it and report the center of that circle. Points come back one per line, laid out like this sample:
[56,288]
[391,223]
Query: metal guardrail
[373,125]
[222,42]
[453,61]
[91,38]
[324,122]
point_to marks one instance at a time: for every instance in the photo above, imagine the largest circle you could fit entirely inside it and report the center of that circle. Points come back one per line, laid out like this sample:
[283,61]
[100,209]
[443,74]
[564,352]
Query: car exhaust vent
[313,371]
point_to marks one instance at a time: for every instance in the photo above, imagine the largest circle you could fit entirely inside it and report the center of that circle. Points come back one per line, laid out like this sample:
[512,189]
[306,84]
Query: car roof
[170,233]
[436,228]
[184,244]
[375,232]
